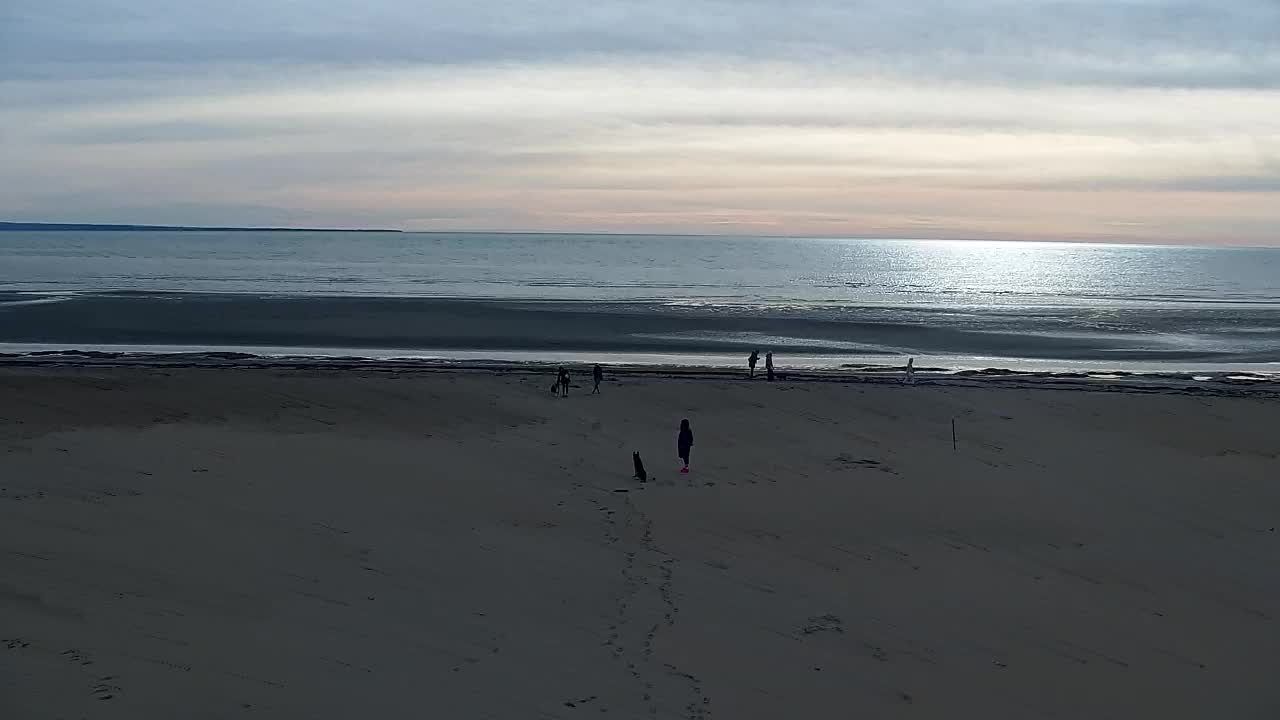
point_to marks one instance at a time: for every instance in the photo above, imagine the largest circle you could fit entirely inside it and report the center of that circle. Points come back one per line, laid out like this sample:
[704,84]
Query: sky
[1113,120]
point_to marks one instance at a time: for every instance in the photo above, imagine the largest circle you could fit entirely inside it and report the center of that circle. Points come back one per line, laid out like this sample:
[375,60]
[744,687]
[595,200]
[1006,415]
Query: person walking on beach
[684,443]
[768,365]
[751,361]
[597,375]
[564,382]
[910,378]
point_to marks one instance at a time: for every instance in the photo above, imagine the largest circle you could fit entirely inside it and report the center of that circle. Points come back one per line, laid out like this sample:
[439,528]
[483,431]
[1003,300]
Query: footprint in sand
[77,657]
[868,463]
[822,623]
[105,689]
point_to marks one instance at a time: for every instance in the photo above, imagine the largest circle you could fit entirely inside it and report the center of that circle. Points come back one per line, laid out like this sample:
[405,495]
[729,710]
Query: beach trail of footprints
[104,687]
[646,606]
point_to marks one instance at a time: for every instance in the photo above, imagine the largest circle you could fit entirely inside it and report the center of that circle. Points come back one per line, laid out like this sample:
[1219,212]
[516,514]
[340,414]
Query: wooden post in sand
[953,434]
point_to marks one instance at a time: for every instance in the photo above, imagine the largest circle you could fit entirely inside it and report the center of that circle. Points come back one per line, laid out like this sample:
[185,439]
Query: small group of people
[768,364]
[909,378]
[684,439]
[561,386]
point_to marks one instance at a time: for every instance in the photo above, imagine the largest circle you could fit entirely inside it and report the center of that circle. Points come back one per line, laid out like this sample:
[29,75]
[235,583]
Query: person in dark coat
[768,365]
[751,362]
[564,382]
[597,374]
[684,443]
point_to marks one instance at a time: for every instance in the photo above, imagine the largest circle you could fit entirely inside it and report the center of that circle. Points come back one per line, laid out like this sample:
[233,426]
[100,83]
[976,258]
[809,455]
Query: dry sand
[240,543]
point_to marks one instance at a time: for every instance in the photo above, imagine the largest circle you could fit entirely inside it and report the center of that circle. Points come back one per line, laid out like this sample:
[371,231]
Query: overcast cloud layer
[1144,120]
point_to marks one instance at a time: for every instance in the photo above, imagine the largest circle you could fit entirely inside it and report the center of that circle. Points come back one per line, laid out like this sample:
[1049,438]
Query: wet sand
[214,543]
[1160,337]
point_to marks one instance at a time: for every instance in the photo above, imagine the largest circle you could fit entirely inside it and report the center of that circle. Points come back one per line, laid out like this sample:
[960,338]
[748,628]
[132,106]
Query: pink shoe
[684,470]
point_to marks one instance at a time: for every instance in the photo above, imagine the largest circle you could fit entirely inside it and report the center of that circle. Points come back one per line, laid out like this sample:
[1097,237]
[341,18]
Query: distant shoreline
[1243,384]
[96,227]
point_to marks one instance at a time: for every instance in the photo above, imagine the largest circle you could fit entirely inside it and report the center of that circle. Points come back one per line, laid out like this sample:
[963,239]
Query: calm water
[752,270]
[1068,301]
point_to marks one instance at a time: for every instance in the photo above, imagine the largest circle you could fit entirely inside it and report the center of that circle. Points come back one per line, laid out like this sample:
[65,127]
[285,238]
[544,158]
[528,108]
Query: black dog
[641,475]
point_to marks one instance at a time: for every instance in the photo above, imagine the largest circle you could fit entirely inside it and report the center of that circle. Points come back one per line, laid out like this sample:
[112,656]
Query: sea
[644,299]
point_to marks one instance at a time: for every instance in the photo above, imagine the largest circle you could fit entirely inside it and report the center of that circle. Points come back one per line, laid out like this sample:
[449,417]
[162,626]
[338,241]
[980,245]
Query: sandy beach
[223,543]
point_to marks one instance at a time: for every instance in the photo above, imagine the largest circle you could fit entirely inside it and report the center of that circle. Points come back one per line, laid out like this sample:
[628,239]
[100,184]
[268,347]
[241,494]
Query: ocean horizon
[671,299]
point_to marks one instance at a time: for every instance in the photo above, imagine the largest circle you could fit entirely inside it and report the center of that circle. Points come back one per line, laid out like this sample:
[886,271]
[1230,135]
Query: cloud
[1125,43]
[160,132]
[979,119]
[1228,184]
[764,94]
